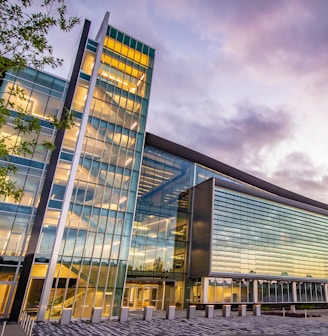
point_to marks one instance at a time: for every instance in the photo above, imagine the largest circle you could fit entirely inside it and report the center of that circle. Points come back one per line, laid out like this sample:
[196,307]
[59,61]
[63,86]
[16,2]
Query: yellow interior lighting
[107,59]
[124,50]
[39,270]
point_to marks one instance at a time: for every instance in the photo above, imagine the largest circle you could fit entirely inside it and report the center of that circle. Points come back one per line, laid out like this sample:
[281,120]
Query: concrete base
[209,311]
[242,310]
[148,313]
[124,314]
[226,310]
[96,314]
[170,312]
[256,310]
[293,309]
[191,312]
[66,316]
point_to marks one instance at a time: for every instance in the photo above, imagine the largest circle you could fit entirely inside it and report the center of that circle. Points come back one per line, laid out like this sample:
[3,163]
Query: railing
[56,309]
[3,321]
[27,324]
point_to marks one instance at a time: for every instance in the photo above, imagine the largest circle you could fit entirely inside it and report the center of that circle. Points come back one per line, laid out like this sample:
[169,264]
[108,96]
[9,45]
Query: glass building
[66,243]
[218,235]
[117,217]
[44,96]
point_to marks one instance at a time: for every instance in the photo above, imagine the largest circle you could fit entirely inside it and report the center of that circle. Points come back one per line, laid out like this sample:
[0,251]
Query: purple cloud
[233,78]
[226,139]
[297,172]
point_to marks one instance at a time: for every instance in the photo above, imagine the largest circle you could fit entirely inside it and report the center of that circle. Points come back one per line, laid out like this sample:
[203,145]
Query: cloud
[273,54]
[242,81]
[297,172]
[284,34]
[289,36]
[232,140]
[249,142]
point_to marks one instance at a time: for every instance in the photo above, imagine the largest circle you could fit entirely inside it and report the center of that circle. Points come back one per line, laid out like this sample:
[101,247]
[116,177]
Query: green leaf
[49,145]
[24,42]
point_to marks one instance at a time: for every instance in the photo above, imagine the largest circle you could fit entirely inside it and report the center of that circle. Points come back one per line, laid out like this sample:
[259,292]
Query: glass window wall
[43,98]
[160,229]
[250,234]
[95,246]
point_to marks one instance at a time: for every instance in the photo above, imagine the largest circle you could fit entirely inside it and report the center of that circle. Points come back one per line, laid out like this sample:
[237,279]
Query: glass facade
[110,107]
[255,235]
[228,290]
[93,255]
[43,98]
[160,237]
[119,221]
[239,290]
[160,230]
[263,251]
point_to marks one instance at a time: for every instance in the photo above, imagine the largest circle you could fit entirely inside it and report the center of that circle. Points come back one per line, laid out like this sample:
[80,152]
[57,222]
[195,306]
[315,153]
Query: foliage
[23,42]
[158,265]
[23,38]
[306,306]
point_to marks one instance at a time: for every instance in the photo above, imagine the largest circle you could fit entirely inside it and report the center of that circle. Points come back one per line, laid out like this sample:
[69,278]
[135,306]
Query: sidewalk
[13,329]
[263,325]
[250,325]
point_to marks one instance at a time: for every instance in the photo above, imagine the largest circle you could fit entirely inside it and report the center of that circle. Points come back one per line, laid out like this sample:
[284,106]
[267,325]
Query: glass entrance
[139,296]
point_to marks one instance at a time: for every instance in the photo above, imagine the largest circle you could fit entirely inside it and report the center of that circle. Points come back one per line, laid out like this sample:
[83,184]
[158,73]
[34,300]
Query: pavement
[235,325]
[13,329]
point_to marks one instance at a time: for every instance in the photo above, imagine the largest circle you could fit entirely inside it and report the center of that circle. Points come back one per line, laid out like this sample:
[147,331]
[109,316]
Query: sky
[242,81]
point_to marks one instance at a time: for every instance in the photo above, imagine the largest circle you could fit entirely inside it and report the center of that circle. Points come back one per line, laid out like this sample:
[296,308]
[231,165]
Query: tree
[23,42]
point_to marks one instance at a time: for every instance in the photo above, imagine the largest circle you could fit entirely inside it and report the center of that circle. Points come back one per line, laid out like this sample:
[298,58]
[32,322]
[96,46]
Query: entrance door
[139,296]
[150,296]
[133,297]
[169,294]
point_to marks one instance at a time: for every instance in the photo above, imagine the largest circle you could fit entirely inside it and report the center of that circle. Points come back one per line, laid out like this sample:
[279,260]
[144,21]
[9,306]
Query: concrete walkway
[263,325]
[13,329]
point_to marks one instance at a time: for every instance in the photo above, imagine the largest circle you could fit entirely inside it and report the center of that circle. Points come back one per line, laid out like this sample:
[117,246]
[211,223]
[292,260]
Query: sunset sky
[243,81]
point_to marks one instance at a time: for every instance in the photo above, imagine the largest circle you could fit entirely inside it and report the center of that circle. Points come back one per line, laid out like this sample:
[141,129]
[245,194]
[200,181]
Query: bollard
[226,310]
[191,312]
[170,312]
[292,309]
[242,310]
[96,314]
[283,312]
[209,311]
[148,313]
[124,314]
[256,310]
[305,315]
[66,316]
